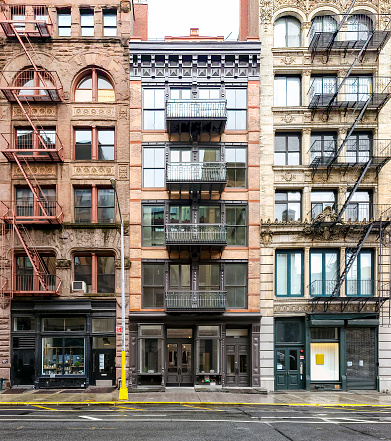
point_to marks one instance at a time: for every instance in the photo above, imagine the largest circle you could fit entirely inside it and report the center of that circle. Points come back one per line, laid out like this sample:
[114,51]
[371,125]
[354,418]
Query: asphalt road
[193,423]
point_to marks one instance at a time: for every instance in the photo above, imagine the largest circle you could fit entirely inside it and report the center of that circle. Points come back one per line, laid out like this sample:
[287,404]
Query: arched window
[32,83]
[323,23]
[94,86]
[358,27]
[287,32]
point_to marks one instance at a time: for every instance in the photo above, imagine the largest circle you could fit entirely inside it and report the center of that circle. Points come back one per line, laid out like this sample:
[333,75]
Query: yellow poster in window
[319,358]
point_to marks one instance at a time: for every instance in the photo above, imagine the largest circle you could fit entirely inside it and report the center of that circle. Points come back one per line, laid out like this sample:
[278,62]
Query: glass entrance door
[103,365]
[289,369]
[237,363]
[179,363]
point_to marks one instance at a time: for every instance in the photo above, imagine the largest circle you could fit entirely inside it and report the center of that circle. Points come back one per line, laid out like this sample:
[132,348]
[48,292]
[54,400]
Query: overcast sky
[176,17]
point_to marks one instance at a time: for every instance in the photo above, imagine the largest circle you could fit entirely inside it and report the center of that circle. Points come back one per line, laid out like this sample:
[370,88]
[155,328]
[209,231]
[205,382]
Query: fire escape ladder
[31,253]
[351,260]
[37,191]
[352,191]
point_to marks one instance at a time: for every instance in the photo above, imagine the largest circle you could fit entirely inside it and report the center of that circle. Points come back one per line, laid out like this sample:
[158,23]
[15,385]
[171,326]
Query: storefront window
[324,354]
[24,324]
[209,356]
[63,356]
[103,324]
[288,331]
[54,324]
[150,362]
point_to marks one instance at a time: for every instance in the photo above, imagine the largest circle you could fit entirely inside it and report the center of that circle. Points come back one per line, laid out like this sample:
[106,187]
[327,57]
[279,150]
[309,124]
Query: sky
[176,17]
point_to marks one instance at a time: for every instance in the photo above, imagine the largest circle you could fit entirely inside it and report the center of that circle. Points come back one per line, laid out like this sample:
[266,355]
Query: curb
[203,403]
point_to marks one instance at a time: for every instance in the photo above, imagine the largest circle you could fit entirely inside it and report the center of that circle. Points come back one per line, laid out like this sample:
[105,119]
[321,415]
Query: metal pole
[123,392]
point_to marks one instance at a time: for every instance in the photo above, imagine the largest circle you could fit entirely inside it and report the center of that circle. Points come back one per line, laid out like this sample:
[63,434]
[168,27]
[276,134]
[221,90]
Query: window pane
[295,274]
[293,92]
[209,356]
[106,279]
[83,270]
[103,325]
[52,354]
[279,33]
[83,144]
[209,277]
[150,355]
[282,274]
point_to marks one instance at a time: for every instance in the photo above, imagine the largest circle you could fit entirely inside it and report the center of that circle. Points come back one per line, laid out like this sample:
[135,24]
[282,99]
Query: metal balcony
[189,116]
[31,85]
[29,284]
[31,21]
[322,288]
[357,154]
[31,212]
[200,176]
[372,95]
[203,301]
[29,147]
[189,235]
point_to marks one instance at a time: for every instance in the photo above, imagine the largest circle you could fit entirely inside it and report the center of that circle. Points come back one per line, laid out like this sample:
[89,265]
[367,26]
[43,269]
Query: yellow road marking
[46,408]
[131,408]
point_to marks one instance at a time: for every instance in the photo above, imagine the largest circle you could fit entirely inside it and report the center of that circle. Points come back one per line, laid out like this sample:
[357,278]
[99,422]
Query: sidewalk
[190,396]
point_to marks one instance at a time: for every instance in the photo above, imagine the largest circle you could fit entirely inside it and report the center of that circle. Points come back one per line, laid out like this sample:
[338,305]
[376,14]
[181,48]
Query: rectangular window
[105,325]
[287,206]
[209,277]
[153,109]
[289,273]
[359,147]
[236,109]
[64,22]
[289,331]
[23,324]
[18,14]
[57,324]
[360,206]
[87,22]
[150,349]
[153,225]
[236,284]
[323,146]
[324,362]
[321,200]
[287,148]
[325,87]
[324,269]
[97,271]
[236,216]
[95,144]
[236,158]
[63,356]
[83,205]
[153,167]
[109,23]
[208,94]
[359,280]
[180,277]
[180,94]
[27,140]
[287,91]
[358,88]
[180,214]
[208,350]
[102,212]
[153,285]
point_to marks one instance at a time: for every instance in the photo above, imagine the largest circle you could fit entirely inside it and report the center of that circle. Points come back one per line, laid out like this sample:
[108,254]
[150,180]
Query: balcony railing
[196,234]
[196,115]
[353,95]
[356,152]
[363,212]
[30,212]
[359,288]
[26,20]
[29,147]
[322,288]
[30,284]
[195,301]
[203,176]
[31,85]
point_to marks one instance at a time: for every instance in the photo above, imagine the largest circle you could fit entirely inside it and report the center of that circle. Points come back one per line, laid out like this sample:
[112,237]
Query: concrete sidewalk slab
[191,396]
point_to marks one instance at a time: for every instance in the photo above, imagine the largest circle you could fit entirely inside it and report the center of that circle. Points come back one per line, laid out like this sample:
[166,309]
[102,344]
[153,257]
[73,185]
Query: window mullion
[94,143]
[94,204]
[94,272]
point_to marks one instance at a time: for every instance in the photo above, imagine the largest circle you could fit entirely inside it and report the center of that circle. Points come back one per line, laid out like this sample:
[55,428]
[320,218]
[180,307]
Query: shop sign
[118,329]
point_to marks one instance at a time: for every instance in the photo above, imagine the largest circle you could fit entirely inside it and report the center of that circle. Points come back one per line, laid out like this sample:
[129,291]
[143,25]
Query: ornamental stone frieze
[94,112]
[38,111]
[93,170]
[37,170]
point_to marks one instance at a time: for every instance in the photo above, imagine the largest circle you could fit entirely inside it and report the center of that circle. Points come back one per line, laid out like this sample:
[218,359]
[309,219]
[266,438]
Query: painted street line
[90,418]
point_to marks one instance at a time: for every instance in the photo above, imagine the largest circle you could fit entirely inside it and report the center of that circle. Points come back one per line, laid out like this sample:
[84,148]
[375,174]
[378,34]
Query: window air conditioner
[78,286]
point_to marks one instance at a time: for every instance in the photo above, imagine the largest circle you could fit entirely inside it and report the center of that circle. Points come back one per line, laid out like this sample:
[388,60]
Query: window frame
[95,74]
[236,167]
[227,265]
[360,204]
[153,109]
[95,145]
[94,269]
[323,252]
[109,12]
[289,253]
[287,202]
[286,19]
[64,12]
[236,225]
[359,278]
[325,155]
[94,208]
[287,152]
[155,287]
[151,226]
[87,12]
[160,170]
[236,109]
[324,204]
[278,101]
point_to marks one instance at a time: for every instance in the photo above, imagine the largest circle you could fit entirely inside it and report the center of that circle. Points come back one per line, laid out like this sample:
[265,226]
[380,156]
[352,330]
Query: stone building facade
[65,133]
[324,180]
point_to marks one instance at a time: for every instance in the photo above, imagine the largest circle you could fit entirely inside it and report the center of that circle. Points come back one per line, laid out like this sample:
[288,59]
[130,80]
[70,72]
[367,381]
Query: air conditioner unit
[78,286]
